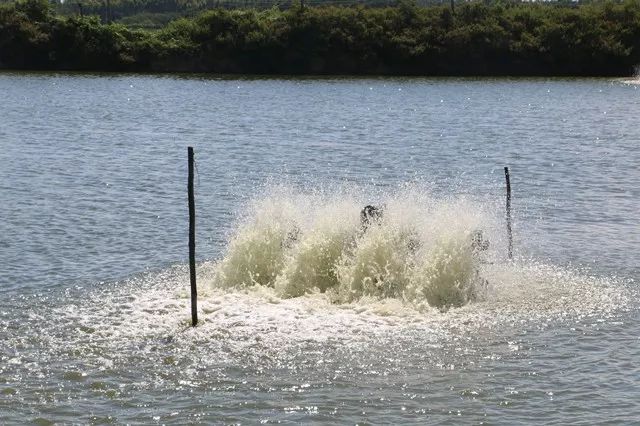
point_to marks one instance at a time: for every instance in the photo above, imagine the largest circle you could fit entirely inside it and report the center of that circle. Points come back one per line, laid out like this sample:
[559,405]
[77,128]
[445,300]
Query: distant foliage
[477,39]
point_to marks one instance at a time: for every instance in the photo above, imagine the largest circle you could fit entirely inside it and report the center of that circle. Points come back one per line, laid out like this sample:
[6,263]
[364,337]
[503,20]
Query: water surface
[93,288]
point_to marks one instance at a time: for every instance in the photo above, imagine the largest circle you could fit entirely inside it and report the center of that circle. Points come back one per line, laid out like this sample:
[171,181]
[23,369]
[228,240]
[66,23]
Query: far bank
[598,39]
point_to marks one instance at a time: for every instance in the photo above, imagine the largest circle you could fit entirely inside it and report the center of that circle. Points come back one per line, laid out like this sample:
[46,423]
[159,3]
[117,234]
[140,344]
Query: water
[94,307]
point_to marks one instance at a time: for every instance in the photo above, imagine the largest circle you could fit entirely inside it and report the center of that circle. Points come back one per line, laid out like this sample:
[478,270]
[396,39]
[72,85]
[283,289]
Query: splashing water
[634,79]
[419,251]
[305,299]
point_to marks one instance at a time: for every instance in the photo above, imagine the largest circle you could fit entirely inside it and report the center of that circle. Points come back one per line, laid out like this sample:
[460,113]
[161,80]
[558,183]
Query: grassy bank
[478,39]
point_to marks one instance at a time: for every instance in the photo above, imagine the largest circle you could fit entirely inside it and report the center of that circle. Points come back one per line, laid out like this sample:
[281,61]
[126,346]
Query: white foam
[419,251]
[634,81]
[318,291]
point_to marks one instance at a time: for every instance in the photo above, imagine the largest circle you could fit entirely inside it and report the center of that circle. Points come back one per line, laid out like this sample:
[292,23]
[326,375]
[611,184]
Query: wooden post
[192,242]
[509,233]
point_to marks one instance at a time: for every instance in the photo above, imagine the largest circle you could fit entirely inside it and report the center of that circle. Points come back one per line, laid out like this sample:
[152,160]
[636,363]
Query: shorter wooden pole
[509,231]
[192,242]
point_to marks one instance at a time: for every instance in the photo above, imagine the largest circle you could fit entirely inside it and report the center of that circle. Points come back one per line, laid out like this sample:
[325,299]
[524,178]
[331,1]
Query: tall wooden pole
[192,242]
[509,233]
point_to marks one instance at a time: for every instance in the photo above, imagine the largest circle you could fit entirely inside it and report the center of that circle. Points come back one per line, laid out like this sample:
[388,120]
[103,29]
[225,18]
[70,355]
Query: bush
[504,39]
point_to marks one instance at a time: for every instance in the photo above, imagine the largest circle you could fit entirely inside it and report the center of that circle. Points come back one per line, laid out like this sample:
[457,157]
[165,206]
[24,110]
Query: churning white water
[304,254]
[421,251]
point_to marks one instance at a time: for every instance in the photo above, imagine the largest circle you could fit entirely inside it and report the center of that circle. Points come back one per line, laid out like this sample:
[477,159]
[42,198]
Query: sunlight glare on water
[306,315]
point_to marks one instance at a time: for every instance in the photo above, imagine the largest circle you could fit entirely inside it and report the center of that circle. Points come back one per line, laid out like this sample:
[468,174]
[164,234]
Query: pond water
[94,307]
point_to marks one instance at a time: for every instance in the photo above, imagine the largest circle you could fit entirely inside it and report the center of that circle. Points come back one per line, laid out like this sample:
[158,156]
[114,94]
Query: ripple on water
[128,343]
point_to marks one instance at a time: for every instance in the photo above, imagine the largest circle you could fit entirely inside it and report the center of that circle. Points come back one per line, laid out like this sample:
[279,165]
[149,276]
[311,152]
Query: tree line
[595,39]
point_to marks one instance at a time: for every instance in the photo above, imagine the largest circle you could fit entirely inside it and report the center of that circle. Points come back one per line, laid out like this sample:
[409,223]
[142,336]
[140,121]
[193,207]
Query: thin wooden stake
[509,233]
[192,242]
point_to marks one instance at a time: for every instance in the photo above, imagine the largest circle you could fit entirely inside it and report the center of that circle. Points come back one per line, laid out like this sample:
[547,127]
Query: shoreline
[311,77]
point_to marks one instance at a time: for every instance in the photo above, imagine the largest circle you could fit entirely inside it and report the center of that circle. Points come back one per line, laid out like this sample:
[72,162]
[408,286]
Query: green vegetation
[600,38]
